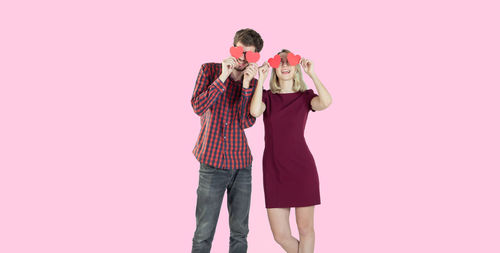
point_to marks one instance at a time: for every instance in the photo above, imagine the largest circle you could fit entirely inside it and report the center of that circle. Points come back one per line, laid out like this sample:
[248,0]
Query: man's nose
[242,57]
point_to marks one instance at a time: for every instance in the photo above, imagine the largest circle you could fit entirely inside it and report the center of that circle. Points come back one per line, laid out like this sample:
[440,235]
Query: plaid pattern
[224,109]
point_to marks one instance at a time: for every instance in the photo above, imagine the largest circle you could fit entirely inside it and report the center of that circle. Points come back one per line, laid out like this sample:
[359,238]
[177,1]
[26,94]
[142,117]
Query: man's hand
[249,73]
[227,68]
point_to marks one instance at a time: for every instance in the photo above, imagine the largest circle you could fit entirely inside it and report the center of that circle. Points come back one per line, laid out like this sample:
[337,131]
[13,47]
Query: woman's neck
[286,86]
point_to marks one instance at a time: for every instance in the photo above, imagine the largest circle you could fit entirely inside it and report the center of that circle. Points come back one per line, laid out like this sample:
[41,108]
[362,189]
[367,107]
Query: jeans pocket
[207,168]
[248,168]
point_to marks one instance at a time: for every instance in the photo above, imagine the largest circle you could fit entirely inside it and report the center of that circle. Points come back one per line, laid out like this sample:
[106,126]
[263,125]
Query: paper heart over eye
[252,56]
[275,61]
[293,59]
[236,52]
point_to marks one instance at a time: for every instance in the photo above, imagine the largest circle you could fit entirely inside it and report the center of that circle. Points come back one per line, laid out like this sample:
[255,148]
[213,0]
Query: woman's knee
[305,228]
[281,237]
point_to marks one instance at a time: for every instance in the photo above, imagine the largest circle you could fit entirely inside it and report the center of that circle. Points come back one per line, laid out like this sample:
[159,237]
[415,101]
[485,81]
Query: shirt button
[224,137]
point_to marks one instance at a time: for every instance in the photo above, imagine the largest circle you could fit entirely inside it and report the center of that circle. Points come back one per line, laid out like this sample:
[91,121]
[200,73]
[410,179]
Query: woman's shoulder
[309,92]
[305,92]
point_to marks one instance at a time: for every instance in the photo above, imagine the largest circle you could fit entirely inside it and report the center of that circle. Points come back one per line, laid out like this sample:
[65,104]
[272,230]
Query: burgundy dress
[290,175]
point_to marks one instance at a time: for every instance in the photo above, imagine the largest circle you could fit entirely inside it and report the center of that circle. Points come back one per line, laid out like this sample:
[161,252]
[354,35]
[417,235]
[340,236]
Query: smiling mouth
[285,72]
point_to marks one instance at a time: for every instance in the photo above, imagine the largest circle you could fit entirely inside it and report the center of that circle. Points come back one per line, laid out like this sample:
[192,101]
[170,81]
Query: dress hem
[290,206]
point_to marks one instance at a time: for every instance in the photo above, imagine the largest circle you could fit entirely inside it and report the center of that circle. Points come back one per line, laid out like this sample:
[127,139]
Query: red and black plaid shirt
[224,109]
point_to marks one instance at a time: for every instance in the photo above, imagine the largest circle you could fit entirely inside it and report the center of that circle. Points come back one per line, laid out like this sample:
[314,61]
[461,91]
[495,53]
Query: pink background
[97,128]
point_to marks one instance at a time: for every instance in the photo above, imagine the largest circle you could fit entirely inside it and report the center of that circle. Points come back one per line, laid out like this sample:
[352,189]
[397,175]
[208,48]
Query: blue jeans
[213,184]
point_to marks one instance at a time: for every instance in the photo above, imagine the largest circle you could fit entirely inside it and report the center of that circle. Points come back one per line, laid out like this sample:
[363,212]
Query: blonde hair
[298,82]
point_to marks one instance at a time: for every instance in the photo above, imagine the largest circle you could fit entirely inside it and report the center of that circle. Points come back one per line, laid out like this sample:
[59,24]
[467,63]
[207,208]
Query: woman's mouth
[287,71]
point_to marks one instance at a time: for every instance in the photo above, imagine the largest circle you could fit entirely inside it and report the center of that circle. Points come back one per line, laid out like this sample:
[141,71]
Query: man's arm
[205,93]
[246,119]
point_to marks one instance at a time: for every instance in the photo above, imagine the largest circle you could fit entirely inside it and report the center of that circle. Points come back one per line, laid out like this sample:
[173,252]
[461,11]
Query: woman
[290,175]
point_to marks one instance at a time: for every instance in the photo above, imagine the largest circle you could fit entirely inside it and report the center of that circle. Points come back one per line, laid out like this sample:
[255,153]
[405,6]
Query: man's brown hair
[249,37]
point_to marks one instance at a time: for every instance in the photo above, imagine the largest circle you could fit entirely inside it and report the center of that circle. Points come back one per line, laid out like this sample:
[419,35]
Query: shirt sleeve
[206,92]
[309,96]
[246,119]
[265,96]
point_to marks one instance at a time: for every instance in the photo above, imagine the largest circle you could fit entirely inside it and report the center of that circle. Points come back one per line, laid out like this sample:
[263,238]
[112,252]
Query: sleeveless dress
[289,170]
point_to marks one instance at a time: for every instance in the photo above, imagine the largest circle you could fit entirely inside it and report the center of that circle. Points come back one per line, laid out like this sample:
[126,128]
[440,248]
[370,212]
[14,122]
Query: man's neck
[237,75]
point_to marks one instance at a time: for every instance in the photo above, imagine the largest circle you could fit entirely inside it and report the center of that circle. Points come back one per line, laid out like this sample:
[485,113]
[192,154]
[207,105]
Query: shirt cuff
[247,92]
[219,85]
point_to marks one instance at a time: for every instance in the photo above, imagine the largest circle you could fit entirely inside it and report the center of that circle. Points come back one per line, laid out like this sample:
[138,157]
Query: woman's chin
[285,77]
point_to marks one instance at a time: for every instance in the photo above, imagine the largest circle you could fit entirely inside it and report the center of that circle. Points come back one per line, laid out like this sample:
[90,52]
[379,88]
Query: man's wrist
[246,82]
[223,77]
[247,91]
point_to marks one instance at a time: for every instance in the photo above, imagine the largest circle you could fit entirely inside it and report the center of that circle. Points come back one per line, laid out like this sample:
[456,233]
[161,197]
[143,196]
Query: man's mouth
[241,66]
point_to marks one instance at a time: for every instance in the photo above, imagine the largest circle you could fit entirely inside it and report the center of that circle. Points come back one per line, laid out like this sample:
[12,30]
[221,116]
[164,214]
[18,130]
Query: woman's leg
[279,219]
[305,224]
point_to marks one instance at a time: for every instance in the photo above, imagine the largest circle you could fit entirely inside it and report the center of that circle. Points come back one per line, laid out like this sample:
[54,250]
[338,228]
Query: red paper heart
[275,61]
[252,56]
[293,59]
[236,52]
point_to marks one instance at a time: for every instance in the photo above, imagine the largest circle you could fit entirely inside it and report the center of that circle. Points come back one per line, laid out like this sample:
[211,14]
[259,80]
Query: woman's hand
[263,71]
[308,66]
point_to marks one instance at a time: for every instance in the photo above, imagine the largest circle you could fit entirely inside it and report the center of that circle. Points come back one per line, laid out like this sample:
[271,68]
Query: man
[221,98]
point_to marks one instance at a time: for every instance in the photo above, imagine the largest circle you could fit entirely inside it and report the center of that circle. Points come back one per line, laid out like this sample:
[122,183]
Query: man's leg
[238,204]
[211,188]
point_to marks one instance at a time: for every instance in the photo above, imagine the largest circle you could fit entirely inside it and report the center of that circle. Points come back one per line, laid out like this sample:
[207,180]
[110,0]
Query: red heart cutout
[293,59]
[252,56]
[275,61]
[236,52]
